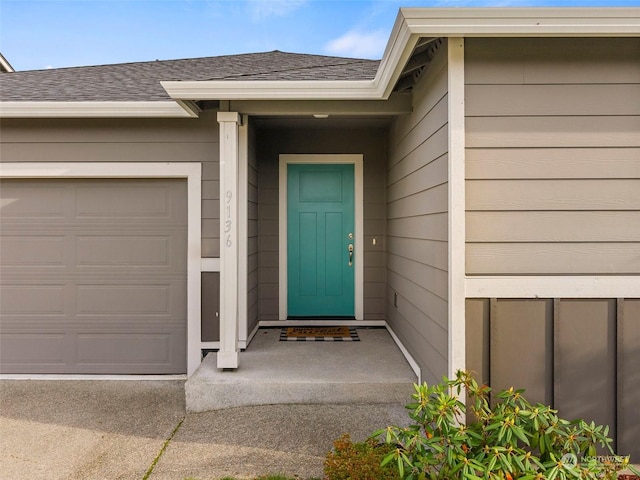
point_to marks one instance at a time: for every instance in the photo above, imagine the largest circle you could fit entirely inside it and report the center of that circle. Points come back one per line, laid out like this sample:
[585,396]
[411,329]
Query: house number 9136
[228,222]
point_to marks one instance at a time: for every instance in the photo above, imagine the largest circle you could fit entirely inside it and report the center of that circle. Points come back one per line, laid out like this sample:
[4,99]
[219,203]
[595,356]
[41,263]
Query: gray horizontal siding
[553,156]
[125,140]
[252,232]
[417,206]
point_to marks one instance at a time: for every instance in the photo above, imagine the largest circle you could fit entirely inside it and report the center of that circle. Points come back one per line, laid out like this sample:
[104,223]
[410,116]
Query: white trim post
[229,220]
[456,357]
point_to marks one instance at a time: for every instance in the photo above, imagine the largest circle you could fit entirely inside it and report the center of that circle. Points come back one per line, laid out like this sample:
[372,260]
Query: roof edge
[524,22]
[410,25]
[121,109]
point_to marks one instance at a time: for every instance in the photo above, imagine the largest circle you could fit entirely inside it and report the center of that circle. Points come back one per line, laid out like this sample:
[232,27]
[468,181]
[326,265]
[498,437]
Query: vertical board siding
[325,139]
[553,156]
[125,140]
[477,339]
[579,355]
[521,335]
[585,360]
[417,205]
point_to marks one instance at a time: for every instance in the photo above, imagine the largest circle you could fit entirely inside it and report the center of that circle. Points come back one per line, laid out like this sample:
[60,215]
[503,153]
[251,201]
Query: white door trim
[357,161]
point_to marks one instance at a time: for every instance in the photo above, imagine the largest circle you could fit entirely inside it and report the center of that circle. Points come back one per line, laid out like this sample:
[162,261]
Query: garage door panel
[139,348]
[95,279]
[150,351]
[123,250]
[32,299]
[21,201]
[32,250]
[22,349]
[124,299]
[132,201]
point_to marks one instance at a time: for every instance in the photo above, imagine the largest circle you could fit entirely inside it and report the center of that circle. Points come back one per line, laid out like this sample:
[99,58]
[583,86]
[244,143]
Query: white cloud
[359,44]
[261,9]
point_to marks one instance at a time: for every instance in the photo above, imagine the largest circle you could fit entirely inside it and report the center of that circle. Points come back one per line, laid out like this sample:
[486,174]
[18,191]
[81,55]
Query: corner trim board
[456,232]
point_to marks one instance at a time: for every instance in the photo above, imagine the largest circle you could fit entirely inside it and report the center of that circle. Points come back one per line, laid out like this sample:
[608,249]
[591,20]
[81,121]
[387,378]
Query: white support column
[243,235]
[229,153]
[457,233]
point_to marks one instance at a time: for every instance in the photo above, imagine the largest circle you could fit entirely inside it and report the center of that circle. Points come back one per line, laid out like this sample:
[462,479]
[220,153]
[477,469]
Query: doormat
[319,334]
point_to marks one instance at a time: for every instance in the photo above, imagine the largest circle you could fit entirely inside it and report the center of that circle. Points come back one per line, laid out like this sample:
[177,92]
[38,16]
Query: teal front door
[320,240]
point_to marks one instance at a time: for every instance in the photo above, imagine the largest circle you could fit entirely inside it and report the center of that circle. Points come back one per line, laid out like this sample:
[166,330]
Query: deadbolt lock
[350,236]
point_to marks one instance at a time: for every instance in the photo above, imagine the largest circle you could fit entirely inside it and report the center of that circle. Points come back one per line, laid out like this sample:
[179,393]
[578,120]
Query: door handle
[350,248]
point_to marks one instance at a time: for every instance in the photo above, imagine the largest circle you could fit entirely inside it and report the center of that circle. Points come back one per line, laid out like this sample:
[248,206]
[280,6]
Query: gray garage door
[93,276]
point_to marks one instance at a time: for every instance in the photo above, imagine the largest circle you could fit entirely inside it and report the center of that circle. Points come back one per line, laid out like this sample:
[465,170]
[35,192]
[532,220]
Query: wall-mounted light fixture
[320,115]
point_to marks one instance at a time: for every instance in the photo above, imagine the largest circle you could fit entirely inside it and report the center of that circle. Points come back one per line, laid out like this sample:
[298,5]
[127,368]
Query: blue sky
[62,33]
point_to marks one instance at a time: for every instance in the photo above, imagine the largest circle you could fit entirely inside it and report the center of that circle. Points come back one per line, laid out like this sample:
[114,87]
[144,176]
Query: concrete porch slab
[271,372]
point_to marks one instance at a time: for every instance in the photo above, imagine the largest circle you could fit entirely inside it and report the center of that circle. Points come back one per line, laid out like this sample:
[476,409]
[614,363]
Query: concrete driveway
[116,429]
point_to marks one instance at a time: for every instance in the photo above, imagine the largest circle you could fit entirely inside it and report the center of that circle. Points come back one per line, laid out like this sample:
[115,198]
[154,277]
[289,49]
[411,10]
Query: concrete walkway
[85,429]
[116,429]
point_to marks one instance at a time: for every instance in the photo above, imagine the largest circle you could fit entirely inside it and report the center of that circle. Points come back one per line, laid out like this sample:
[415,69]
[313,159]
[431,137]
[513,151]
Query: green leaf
[519,432]
[471,476]
[388,458]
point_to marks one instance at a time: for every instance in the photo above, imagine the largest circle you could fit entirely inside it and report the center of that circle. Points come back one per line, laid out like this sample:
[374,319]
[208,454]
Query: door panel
[320,217]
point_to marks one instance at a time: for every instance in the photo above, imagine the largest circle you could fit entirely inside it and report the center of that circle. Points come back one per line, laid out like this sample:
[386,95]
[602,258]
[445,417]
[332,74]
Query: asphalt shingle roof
[141,81]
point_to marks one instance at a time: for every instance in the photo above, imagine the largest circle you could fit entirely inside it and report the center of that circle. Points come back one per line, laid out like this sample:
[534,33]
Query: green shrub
[358,461]
[513,440]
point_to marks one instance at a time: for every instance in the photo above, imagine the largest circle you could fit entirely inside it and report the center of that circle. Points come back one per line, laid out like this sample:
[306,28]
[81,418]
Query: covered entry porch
[260,217]
[371,370]
[247,364]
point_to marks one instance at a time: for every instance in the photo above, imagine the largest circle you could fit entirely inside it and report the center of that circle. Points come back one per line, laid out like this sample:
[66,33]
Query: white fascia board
[272,90]
[523,22]
[162,109]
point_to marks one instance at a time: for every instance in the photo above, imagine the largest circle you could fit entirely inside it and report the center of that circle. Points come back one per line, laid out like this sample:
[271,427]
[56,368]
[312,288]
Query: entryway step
[372,370]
